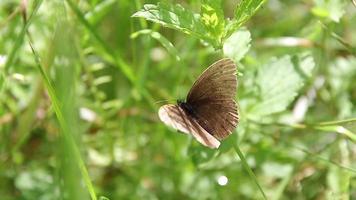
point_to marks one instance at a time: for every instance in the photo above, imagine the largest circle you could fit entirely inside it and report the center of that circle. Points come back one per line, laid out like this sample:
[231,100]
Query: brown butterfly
[210,112]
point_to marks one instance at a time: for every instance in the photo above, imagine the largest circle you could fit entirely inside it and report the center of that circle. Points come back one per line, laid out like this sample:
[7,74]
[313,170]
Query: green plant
[80,85]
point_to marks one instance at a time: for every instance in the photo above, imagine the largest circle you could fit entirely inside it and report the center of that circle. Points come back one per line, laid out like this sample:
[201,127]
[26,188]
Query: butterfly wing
[212,97]
[175,117]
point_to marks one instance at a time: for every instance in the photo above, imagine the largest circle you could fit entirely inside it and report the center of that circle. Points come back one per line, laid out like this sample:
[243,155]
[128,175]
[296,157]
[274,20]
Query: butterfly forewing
[174,116]
[212,97]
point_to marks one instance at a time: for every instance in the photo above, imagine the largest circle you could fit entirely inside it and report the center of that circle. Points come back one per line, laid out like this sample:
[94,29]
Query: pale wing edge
[175,117]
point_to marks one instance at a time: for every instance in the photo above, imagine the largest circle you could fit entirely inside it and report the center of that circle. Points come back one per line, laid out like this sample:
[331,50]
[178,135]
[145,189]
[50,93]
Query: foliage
[80,86]
[209,25]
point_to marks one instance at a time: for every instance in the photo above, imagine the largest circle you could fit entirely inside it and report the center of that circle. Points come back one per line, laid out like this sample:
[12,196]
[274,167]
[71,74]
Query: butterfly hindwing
[175,117]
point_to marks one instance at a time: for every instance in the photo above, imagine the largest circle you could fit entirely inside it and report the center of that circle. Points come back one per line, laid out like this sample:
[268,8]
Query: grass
[81,83]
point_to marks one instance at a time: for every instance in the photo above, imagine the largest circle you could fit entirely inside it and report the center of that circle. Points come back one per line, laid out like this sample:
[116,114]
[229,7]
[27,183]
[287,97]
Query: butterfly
[210,112]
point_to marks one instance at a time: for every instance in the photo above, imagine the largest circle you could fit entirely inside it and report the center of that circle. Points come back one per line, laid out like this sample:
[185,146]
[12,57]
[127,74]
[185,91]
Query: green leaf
[332,9]
[341,75]
[245,10]
[212,17]
[279,82]
[32,182]
[176,17]
[237,45]
[160,38]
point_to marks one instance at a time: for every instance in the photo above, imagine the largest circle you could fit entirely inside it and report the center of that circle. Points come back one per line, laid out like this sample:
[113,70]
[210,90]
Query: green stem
[248,169]
[346,44]
[337,122]
[323,126]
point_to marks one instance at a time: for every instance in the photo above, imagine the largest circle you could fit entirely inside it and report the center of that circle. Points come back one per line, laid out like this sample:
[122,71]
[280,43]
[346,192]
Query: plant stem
[248,169]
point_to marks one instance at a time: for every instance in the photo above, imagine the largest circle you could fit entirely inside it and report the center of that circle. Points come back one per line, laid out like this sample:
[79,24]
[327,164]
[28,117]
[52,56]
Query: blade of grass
[28,118]
[9,18]
[248,169]
[65,129]
[346,44]
[11,58]
[101,9]
[119,62]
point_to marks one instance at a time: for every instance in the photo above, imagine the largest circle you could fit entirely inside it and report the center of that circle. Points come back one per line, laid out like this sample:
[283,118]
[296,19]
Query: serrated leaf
[279,82]
[176,17]
[333,9]
[160,38]
[237,45]
[245,10]
[212,17]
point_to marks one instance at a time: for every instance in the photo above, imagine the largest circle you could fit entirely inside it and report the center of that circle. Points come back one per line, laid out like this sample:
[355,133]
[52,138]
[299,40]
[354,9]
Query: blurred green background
[78,110]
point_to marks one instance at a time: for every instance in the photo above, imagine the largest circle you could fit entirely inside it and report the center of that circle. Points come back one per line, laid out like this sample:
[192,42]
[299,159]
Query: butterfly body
[188,109]
[210,112]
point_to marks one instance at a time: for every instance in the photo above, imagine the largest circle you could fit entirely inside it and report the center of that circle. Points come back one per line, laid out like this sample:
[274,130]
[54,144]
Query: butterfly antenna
[162,101]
